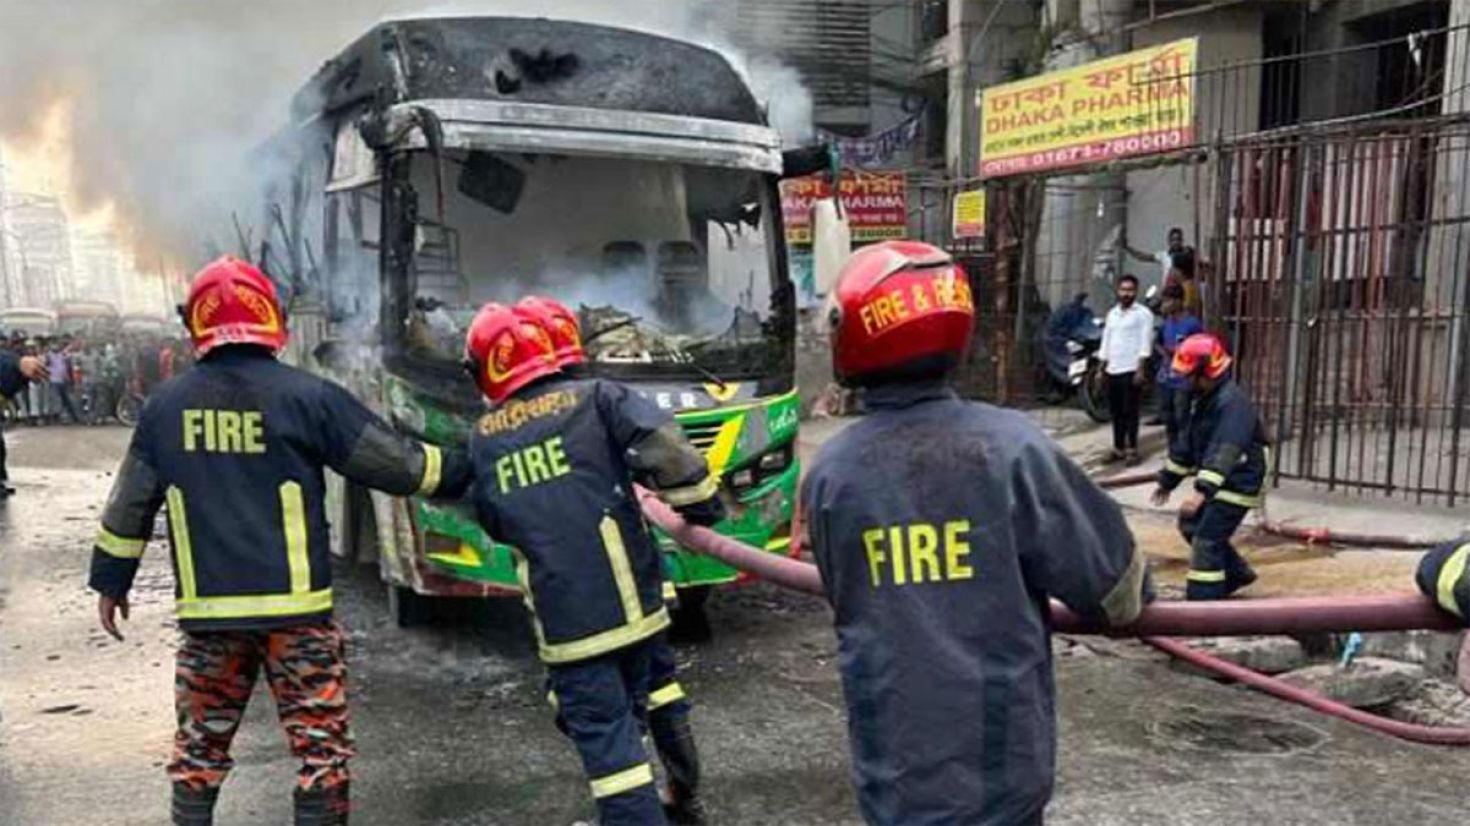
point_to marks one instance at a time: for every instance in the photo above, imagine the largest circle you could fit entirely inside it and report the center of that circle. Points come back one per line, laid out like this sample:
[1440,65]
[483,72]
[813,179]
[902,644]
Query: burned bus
[437,164]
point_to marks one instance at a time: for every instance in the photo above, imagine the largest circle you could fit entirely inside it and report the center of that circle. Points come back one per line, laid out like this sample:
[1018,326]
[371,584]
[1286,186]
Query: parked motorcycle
[1070,343]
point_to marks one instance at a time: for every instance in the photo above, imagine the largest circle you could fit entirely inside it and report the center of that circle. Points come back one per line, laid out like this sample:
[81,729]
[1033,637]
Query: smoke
[166,99]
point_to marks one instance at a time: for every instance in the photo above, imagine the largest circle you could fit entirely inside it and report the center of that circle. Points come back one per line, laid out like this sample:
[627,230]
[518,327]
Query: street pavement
[452,726]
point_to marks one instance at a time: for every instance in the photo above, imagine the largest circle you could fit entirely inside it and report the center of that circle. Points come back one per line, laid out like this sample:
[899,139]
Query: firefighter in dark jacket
[668,703]
[1223,445]
[235,448]
[1444,576]
[941,528]
[555,462]
[15,373]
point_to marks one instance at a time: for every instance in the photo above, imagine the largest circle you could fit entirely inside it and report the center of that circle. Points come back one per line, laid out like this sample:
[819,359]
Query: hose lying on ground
[1317,535]
[1328,536]
[1277,688]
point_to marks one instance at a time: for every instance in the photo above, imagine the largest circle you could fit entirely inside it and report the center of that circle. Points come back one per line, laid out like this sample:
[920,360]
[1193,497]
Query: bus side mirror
[492,182]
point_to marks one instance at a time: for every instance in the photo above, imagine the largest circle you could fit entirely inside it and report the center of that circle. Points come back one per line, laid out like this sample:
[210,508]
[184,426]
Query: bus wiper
[685,357]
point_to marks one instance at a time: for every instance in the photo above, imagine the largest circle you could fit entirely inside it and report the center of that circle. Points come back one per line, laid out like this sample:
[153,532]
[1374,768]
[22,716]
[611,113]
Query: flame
[42,162]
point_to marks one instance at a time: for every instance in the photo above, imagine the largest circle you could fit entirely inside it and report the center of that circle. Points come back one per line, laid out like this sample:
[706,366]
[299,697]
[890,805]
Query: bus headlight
[766,466]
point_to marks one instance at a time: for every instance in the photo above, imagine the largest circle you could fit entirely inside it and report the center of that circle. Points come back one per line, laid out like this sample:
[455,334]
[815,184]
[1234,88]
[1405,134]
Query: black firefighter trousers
[602,705]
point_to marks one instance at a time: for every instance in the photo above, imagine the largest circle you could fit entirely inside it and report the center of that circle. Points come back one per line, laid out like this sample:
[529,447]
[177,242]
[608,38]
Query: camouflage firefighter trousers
[307,674]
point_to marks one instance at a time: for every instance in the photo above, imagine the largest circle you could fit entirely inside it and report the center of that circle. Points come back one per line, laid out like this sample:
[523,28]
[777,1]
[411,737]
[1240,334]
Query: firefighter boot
[322,807]
[193,807]
[674,741]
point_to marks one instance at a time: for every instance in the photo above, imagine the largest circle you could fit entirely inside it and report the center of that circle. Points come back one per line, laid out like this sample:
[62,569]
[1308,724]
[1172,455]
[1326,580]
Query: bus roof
[530,60]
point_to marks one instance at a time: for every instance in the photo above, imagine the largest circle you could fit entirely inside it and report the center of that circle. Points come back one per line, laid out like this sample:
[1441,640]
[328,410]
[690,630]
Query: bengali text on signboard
[875,203]
[1138,103]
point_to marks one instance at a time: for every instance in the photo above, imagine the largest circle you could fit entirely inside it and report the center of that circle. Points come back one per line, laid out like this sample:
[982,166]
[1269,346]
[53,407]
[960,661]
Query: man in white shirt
[1127,342]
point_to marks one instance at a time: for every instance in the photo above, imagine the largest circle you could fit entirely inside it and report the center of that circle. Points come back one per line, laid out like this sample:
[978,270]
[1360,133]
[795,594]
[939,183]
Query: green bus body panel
[749,430]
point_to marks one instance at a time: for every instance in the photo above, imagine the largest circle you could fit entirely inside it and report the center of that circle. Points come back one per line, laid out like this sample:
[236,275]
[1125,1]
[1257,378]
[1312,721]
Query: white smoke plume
[167,98]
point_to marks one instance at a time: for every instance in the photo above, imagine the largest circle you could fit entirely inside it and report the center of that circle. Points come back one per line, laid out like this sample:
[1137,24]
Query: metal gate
[1341,263]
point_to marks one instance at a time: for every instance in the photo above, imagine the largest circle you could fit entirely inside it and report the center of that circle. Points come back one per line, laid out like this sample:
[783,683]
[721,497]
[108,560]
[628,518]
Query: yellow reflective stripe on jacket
[246,607]
[178,522]
[1241,499]
[622,569]
[691,494]
[119,546]
[1205,576]
[1177,469]
[670,593]
[1449,577]
[603,643]
[1212,477]
[433,467]
[671,693]
[293,517]
[624,781]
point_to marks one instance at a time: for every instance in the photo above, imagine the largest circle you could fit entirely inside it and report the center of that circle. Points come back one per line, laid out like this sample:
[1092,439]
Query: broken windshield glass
[669,267]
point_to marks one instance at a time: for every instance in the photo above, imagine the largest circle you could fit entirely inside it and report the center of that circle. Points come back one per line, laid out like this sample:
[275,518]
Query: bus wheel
[691,622]
[407,607]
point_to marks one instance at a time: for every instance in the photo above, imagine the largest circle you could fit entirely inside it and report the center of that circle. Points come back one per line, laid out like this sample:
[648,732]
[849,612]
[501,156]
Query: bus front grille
[702,434]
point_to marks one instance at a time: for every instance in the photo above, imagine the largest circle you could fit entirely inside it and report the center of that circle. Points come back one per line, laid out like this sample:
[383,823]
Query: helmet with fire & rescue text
[901,310]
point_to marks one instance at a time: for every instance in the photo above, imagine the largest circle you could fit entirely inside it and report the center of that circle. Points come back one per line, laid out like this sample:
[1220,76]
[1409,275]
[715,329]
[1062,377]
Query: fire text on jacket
[224,431]
[532,465]
[918,553]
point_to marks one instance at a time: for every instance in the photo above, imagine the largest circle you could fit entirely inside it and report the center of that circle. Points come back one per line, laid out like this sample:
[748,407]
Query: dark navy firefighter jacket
[941,528]
[1223,446]
[235,448]
[11,380]
[1444,576]
[554,472]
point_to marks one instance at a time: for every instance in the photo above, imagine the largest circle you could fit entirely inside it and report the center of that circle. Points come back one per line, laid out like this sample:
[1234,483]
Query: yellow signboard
[1132,104]
[969,214]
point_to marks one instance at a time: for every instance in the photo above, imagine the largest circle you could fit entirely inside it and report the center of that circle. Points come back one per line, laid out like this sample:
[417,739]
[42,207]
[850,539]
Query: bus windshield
[670,267]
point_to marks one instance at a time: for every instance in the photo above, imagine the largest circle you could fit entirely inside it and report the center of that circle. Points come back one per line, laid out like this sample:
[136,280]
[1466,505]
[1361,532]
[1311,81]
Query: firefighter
[1444,576]
[235,448]
[15,373]
[668,703]
[941,528]
[1223,445]
[555,462]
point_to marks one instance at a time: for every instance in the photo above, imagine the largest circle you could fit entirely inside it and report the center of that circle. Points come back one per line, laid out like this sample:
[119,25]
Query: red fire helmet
[232,302]
[561,323]
[899,307]
[508,349]
[1202,353]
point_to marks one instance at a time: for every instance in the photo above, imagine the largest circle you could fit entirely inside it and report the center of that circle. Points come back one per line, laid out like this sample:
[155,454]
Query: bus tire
[691,621]
[407,607]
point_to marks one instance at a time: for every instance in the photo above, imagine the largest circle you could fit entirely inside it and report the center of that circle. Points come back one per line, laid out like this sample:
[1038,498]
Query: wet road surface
[452,727]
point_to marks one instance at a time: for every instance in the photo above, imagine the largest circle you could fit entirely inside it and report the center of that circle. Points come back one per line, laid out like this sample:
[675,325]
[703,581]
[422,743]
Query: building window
[828,41]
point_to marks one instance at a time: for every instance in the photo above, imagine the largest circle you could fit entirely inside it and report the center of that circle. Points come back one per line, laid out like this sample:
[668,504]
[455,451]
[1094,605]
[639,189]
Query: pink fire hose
[1299,615]
[1432,735]
[1310,535]
[1388,612]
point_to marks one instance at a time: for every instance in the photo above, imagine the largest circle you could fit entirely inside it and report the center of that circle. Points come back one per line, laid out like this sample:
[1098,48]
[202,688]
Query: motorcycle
[1070,343]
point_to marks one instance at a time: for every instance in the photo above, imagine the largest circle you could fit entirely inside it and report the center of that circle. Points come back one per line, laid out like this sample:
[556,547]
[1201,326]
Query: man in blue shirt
[1179,324]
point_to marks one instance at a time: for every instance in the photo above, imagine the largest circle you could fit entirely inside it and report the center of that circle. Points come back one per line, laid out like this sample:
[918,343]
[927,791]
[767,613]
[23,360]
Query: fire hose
[1386,612]
[1311,535]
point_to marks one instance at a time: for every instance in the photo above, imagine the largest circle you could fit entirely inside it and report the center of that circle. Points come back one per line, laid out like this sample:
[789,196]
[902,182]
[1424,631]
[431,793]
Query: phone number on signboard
[1116,148]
